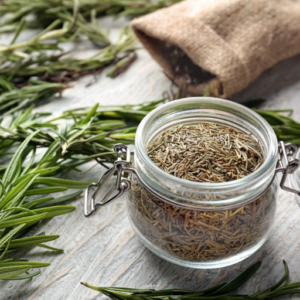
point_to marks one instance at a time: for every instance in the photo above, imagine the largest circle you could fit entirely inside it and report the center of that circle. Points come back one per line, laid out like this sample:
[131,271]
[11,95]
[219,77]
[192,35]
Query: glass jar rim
[269,160]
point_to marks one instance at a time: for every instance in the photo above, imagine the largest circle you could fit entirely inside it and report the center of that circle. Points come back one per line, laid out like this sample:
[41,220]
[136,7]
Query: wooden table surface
[103,249]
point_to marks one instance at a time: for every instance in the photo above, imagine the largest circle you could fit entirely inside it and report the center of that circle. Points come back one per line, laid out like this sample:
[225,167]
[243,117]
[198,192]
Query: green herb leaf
[239,280]
[218,292]
[9,272]
[9,235]
[14,161]
[25,220]
[22,277]
[31,241]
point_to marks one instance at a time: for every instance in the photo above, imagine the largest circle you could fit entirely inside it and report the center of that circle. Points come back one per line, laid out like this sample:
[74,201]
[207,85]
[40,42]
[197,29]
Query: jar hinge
[119,187]
[287,164]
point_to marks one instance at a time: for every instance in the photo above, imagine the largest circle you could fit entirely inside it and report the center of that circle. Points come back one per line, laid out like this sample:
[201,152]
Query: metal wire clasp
[287,164]
[119,187]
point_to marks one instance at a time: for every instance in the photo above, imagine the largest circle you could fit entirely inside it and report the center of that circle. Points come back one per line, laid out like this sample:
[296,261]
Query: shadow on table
[282,75]
[173,276]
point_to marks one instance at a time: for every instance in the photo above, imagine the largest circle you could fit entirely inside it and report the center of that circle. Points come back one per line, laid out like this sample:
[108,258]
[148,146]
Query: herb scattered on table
[13,99]
[45,12]
[221,291]
[20,61]
[122,65]
[18,90]
[42,56]
[89,133]
[286,128]
[60,22]
[70,140]
[22,205]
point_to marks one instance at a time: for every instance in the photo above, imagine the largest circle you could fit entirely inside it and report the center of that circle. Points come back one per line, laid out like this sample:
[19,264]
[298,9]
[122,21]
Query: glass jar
[199,225]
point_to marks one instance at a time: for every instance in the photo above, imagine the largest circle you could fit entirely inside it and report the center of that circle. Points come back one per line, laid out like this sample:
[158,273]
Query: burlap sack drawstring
[231,42]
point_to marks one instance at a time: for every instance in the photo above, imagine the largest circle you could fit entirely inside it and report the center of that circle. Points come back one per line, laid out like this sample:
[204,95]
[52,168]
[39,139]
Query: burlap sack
[231,41]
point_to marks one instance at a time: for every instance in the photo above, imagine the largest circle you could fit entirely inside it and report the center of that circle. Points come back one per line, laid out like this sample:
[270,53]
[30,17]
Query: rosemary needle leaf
[10,234]
[31,241]
[284,278]
[32,264]
[25,276]
[41,172]
[57,250]
[71,184]
[13,100]
[14,161]
[33,203]
[47,190]
[53,211]
[17,192]
[294,141]
[212,289]
[9,272]
[239,280]
[122,65]
[60,200]
[45,212]
[25,220]
[286,128]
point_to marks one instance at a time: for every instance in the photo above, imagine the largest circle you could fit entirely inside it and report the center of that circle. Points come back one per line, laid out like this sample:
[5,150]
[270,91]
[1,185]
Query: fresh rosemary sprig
[218,292]
[45,12]
[64,21]
[12,99]
[89,133]
[122,65]
[20,61]
[286,128]
[22,204]
[68,24]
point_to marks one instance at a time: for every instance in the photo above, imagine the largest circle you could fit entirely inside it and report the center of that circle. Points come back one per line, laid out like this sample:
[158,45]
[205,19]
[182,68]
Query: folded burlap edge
[197,46]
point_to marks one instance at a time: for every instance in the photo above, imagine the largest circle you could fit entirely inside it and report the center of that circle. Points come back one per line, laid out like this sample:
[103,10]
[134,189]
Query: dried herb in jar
[211,153]
[206,152]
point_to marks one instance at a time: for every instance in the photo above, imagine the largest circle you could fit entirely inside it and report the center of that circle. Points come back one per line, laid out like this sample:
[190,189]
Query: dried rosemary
[206,152]
[202,152]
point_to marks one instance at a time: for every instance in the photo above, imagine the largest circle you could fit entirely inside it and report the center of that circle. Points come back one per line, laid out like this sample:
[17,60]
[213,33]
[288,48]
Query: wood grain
[103,250]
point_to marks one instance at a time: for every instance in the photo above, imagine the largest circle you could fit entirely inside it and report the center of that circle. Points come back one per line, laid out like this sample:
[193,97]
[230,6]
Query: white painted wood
[103,250]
